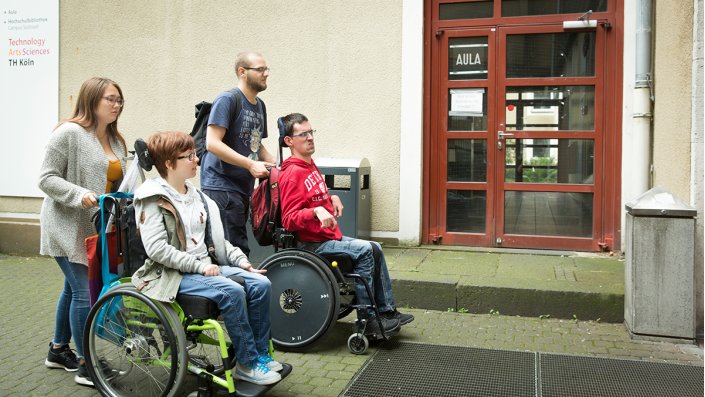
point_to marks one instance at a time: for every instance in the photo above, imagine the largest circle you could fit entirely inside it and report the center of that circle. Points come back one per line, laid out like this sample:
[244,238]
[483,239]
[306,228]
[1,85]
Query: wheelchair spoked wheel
[305,299]
[134,346]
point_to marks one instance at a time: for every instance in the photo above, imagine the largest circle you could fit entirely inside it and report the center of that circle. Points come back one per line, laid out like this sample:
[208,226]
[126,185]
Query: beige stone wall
[673,52]
[338,63]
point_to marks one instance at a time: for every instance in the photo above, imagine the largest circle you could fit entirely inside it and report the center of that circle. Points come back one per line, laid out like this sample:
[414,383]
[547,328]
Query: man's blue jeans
[245,310]
[73,305]
[360,251]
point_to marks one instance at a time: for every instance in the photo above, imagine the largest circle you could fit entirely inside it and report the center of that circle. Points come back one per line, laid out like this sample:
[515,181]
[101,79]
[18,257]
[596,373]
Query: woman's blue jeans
[360,251]
[245,310]
[73,305]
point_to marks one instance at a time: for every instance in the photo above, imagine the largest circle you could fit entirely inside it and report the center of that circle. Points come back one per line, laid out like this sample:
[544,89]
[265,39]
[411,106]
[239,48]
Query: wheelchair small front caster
[358,343]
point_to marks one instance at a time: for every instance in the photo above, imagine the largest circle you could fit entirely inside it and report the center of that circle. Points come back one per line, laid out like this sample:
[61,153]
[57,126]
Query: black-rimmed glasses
[189,156]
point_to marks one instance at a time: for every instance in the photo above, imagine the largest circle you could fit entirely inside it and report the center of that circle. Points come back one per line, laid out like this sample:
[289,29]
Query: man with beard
[235,155]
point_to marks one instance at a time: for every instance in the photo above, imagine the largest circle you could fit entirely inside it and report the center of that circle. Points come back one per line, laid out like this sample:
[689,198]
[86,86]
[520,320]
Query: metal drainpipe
[643,99]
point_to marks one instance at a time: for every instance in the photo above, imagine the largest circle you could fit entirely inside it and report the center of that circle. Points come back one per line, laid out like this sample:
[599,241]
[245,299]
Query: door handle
[500,138]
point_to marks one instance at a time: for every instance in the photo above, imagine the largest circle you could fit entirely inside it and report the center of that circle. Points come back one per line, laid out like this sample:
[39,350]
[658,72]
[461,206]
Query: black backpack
[203,111]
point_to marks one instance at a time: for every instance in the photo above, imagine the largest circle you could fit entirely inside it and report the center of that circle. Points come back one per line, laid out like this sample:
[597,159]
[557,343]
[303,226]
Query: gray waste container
[349,179]
[659,267]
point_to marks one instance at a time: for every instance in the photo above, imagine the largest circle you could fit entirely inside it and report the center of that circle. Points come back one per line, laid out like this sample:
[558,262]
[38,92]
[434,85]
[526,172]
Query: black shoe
[62,357]
[83,377]
[390,325]
[403,318]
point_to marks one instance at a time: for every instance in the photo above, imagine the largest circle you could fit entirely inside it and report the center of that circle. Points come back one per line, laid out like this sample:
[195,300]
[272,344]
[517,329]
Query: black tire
[134,346]
[305,299]
[358,343]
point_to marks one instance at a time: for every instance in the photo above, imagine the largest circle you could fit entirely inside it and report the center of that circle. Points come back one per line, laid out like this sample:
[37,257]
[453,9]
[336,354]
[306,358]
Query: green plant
[463,310]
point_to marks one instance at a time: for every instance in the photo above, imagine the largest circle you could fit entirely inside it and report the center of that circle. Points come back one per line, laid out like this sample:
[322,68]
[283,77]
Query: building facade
[487,123]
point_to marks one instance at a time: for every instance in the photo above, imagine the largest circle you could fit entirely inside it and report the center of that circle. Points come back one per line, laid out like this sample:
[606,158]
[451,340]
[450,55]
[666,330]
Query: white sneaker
[267,360]
[260,374]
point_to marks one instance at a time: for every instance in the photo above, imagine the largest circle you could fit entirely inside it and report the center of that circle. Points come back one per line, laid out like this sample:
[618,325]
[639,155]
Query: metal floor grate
[578,376]
[410,369]
[414,369]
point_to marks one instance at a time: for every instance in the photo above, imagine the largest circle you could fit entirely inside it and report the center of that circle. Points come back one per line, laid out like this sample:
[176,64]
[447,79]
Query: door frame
[607,197]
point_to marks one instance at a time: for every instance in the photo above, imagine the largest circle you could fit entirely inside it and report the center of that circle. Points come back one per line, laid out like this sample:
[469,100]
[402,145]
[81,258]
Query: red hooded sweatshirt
[301,189]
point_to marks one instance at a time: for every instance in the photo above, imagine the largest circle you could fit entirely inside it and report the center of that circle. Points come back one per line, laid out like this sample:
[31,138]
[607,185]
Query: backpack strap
[209,236]
[237,97]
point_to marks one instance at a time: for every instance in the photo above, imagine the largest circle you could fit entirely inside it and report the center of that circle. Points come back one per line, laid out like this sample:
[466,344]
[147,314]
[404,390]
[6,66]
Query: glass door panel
[512,8]
[466,211]
[565,214]
[564,54]
[549,161]
[467,160]
[550,108]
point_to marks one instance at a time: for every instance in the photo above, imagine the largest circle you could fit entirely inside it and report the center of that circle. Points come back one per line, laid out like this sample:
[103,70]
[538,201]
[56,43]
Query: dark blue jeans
[234,208]
[73,305]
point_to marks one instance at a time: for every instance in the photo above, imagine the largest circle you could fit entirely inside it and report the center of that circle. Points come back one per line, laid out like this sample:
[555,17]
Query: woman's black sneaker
[62,357]
[395,314]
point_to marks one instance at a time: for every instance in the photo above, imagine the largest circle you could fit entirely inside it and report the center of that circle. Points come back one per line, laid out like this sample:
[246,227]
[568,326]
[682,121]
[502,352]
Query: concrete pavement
[29,288]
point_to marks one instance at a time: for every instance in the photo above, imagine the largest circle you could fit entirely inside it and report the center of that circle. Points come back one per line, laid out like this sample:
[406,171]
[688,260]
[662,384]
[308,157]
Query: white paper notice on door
[466,102]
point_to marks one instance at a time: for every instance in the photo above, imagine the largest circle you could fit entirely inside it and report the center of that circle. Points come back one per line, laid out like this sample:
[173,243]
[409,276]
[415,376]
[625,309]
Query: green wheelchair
[136,346]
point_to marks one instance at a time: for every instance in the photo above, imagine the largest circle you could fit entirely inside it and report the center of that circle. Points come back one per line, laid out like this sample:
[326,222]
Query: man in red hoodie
[310,212]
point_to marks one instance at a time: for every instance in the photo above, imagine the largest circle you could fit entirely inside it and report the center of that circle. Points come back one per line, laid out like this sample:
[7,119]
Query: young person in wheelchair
[173,221]
[310,213]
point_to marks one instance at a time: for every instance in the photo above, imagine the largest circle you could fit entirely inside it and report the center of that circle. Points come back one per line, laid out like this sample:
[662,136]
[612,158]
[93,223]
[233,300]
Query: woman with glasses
[172,216]
[83,159]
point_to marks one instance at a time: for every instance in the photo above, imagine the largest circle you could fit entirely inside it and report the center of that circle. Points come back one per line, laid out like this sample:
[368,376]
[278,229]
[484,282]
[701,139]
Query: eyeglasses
[114,100]
[190,157]
[305,134]
[261,69]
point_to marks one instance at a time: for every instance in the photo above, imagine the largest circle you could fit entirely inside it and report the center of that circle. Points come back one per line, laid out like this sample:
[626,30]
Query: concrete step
[567,285]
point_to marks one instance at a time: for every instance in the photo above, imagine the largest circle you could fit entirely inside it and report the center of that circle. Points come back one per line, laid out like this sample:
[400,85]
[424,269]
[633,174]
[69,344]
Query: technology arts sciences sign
[22,51]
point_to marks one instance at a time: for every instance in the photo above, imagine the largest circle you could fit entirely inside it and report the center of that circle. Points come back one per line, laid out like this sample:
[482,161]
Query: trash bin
[349,179]
[659,267]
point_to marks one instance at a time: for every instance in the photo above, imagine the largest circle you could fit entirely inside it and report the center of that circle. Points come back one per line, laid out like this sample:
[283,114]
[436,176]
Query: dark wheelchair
[311,292]
[136,346]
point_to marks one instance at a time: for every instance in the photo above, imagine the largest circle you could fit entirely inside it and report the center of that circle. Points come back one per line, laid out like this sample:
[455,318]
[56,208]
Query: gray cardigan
[74,164]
